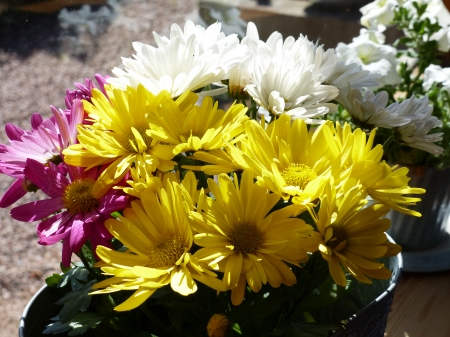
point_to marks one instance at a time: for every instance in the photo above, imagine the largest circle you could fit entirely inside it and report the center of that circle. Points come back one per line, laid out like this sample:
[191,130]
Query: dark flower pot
[416,233]
[369,322]
[426,239]
[36,315]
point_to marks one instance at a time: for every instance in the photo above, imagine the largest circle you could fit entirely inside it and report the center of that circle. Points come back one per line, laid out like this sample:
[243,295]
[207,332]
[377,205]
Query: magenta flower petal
[101,230]
[54,229]
[12,170]
[79,233]
[13,131]
[47,178]
[66,252]
[14,193]
[111,202]
[100,236]
[54,225]
[91,217]
[36,120]
[36,210]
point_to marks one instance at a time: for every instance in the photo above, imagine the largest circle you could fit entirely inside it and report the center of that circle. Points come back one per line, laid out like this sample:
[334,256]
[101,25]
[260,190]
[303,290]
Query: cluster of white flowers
[380,13]
[411,120]
[292,76]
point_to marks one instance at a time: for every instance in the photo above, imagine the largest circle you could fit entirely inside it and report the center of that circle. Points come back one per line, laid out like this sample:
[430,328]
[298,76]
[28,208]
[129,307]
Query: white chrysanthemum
[415,133]
[377,58]
[351,75]
[436,74]
[378,12]
[241,74]
[286,76]
[414,108]
[287,85]
[273,46]
[189,60]
[369,111]
[324,62]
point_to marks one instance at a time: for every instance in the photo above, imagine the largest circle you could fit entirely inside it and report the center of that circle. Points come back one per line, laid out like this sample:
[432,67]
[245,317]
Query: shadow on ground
[22,33]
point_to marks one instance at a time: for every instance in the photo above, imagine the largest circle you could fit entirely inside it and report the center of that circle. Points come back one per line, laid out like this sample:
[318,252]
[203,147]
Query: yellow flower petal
[135,300]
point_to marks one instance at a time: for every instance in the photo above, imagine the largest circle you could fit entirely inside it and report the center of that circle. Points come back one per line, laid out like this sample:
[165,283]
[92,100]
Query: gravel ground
[37,65]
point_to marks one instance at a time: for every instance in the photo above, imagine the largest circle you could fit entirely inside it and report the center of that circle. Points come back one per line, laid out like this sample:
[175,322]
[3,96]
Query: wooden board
[421,306]
[52,6]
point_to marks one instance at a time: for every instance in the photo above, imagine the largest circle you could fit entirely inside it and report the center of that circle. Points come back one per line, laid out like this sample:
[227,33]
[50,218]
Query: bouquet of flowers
[190,219]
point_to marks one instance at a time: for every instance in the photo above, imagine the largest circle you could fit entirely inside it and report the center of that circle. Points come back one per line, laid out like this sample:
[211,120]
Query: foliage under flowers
[190,219]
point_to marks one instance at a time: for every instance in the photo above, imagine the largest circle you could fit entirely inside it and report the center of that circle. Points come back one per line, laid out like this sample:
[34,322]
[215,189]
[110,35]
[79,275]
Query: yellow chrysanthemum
[193,127]
[356,146]
[119,137]
[385,184]
[243,241]
[352,235]
[139,184]
[158,236]
[288,159]
[215,162]
[218,326]
[388,185]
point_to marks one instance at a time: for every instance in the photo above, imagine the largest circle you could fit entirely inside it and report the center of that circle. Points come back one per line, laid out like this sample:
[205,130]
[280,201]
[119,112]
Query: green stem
[387,142]
[86,264]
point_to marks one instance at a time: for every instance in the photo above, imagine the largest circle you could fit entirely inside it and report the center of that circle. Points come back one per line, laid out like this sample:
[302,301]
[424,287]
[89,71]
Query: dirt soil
[37,65]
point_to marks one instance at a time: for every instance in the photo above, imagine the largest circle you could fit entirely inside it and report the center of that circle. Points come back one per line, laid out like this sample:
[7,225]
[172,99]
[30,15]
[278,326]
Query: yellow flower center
[298,175]
[130,144]
[246,238]
[78,196]
[237,92]
[338,238]
[167,252]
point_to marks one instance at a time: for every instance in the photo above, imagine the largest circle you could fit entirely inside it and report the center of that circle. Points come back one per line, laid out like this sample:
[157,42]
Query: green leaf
[75,301]
[76,277]
[236,328]
[115,214]
[77,325]
[88,254]
[53,280]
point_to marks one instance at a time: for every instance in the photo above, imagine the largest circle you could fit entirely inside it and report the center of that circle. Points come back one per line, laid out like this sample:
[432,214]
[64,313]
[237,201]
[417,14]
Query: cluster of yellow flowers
[242,226]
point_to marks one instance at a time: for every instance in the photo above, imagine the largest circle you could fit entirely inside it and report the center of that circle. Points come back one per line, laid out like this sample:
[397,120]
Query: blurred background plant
[408,68]
[80,28]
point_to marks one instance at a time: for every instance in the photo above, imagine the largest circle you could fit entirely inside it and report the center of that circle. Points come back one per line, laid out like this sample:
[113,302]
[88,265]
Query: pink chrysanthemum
[71,214]
[84,91]
[45,141]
